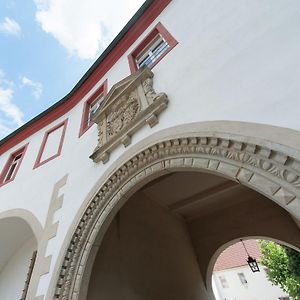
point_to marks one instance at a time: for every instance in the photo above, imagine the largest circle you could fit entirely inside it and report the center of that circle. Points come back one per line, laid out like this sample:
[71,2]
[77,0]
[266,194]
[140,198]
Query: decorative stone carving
[268,171]
[129,105]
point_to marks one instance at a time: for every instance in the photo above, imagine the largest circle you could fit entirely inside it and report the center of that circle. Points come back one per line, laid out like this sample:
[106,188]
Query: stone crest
[130,104]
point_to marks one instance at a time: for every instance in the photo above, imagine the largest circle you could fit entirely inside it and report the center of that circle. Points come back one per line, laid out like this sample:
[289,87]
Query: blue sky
[46,46]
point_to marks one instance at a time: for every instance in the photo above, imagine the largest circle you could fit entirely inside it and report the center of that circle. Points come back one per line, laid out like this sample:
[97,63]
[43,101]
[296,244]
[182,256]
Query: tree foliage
[283,265]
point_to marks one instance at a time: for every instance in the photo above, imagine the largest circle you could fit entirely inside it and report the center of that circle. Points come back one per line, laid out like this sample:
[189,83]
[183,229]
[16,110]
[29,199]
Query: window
[284,298]
[91,106]
[224,282]
[152,49]
[12,165]
[242,278]
[152,53]
[52,144]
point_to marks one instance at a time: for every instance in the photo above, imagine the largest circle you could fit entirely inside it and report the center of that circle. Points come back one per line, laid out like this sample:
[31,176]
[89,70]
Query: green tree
[283,264]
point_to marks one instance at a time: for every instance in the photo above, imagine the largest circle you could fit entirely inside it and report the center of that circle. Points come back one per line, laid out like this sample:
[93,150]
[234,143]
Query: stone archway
[19,233]
[28,217]
[271,172]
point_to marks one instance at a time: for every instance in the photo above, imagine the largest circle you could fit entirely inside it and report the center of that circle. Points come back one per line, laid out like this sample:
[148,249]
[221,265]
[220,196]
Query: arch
[232,242]
[28,217]
[20,235]
[243,152]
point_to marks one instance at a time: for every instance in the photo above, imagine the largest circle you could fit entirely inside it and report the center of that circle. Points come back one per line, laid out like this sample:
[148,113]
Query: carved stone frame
[130,104]
[270,172]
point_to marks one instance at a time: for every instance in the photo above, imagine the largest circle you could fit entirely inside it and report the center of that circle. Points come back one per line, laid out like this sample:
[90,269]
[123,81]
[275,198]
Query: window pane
[242,278]
[93,108]
[13,166]
[152,52]
[223,281]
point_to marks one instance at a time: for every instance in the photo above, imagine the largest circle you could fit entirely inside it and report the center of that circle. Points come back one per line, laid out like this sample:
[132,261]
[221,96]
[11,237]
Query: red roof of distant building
[236,256]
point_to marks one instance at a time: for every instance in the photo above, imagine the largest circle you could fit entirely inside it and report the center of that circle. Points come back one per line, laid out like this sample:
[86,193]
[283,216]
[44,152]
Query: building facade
[181,139]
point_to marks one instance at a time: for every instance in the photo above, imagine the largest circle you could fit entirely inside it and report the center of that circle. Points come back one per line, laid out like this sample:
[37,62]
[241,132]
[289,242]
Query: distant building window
[223,281]
[152,49]
[90,107]
[284,298]
[52,144]
[242,278]
[12,165]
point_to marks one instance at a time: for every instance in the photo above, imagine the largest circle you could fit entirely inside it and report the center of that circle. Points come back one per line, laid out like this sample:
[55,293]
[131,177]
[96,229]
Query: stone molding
[272,173]
[43,262]
[130,104]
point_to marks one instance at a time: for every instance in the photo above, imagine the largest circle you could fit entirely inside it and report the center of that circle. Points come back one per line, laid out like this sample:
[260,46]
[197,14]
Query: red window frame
[83,125]
[38,161]
[9,162]
[158,29]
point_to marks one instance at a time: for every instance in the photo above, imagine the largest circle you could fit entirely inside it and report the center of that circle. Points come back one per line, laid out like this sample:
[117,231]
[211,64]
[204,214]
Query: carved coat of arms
[122,113]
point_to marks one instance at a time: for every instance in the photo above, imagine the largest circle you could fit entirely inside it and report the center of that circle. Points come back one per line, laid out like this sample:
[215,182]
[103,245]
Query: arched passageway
[17,248]
[162,242]
[253,164]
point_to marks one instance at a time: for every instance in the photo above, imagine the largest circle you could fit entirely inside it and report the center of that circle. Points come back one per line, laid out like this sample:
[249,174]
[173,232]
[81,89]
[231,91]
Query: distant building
[234,280]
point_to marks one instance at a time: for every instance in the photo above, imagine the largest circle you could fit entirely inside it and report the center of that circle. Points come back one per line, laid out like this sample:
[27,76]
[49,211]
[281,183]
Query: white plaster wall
[258,287]
[234,61]
[215,289]
[13,274]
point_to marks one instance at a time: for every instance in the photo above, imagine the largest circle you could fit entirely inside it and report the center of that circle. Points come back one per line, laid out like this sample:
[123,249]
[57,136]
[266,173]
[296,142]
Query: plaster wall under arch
[264,158]
[19,233]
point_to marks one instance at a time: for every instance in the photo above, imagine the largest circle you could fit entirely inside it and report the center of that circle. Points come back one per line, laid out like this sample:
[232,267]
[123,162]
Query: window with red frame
[152,49]
[12,166]
[91,106]
[52,144]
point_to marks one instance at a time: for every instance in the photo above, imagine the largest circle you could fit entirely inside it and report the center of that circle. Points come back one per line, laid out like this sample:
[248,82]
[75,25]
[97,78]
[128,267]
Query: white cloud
[84,27]
[37,87]
[12,113]
[10,26]
[4,130]
[10,110]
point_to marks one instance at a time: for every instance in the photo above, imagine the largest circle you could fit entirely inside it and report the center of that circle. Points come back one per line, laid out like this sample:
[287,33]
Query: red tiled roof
[236,256]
